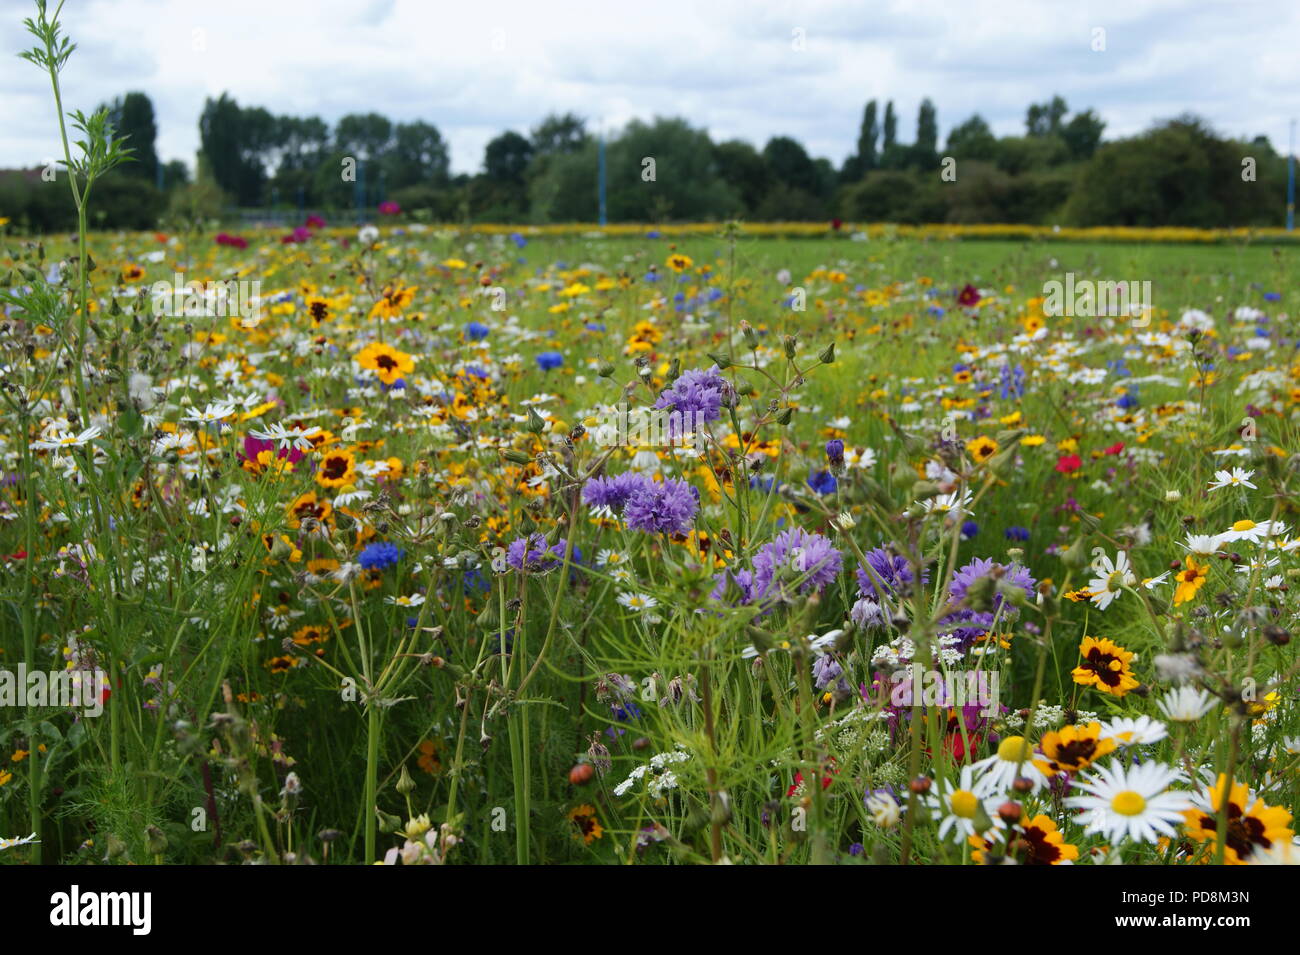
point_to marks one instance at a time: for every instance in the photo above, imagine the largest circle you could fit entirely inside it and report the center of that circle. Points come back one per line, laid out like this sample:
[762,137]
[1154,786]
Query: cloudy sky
[741,69]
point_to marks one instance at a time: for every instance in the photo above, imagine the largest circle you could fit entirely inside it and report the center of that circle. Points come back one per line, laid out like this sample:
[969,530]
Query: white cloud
[475,69]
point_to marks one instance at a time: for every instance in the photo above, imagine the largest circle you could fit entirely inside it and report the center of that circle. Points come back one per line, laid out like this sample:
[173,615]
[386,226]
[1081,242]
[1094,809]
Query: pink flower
[389,208]
[315,222]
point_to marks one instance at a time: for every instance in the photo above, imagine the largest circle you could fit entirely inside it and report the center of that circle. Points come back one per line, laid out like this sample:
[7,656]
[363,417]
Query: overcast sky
[477,67]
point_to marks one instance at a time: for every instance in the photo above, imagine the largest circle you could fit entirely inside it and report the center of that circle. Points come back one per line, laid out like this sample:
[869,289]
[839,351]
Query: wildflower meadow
[403,542]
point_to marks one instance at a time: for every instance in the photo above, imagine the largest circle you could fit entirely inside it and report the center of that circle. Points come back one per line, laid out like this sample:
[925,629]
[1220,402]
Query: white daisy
[1249,530]
[215,411]
[1111,580]
[414,600]
[296,436]
[62,440]
[1134,731]
[1133,802]
[1013,759]
[637,602]
[960,804]
[1187,704]
[1201,545]
[1237,477]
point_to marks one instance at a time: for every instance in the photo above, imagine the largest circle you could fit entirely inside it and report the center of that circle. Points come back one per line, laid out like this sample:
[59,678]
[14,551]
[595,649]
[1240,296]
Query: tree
[864,160]
[232,145]
[789,164]
[559,134]
[891,127]
[506,158]
[1044,119]
[133,120]
[1082,134]
[686,184]
[416,155]
[742,167]
[972,139]
[363,136]
[925,152]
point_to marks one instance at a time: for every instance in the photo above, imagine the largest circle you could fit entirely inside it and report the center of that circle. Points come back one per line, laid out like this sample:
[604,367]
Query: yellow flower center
[1014,749]
[1128,803]
[963,803]
[1243,525]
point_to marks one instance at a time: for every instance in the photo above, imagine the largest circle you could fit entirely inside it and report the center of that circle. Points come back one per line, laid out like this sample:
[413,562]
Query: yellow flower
[337,468]
[390,363]
[1190,580]
[391,303]
[982,448]
[1072,748]
[679,263]
[588,826]
[1249,830]
[1105,667]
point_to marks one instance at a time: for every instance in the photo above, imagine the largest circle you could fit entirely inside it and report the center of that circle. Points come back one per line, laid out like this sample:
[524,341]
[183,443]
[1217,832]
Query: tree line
[1179,172]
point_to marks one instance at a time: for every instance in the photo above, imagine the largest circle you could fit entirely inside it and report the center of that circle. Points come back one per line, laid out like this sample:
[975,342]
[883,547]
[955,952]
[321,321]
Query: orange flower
[1190,580]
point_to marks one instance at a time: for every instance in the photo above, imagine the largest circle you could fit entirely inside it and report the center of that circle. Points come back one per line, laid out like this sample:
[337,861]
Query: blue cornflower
[969,530]
[380,555]
[823,482]
[1017,533]
[476,331]
[548,360]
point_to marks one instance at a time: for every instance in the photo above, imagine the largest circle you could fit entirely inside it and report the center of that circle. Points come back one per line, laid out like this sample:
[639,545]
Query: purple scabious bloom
[379,555]
[662,507]
[737,581]
[983,567]
[793,555]
[697,395]
[531,553]
[893,571]
[612,492]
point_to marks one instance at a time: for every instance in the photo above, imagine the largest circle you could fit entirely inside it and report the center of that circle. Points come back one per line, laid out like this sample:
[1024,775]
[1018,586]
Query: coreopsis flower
[386,361]
[1034,841]
[679,263]
[1253,826]
[1072,748]
[1190,580]
[337,469]
[1132,802]
[981,448]
[391,303]
[587,826]
[1105,667]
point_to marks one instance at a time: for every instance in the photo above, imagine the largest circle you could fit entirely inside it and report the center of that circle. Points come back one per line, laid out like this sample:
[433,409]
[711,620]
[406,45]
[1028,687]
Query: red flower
[970,295]
[1115,448]
[1068,463]
[836,223]
[828,771]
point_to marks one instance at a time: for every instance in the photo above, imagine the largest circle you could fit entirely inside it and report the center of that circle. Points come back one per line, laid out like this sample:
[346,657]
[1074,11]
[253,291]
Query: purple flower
[531,553]
[795,556]
[613,492]
[835,452]
[697,393]
[893,572]
[983,567]
[738,582]
[662,507]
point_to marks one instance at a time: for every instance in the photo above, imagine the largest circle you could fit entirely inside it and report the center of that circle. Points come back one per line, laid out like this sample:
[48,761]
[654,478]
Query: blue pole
[602,178]
[1290,182]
